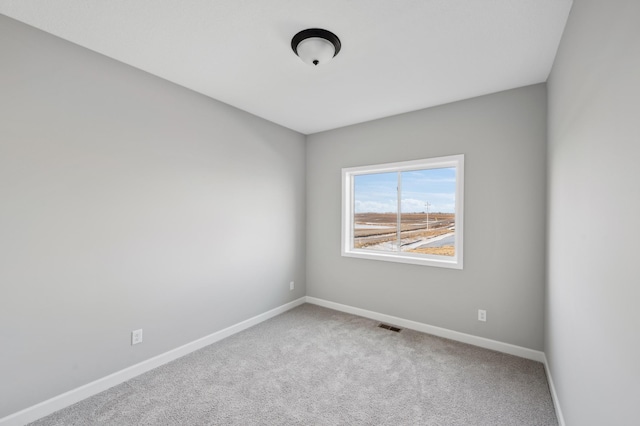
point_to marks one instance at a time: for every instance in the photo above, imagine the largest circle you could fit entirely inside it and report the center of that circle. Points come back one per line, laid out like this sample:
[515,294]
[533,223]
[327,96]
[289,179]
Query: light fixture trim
[316,33]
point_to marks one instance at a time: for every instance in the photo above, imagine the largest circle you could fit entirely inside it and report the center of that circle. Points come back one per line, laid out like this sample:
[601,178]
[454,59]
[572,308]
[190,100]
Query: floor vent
[389,327]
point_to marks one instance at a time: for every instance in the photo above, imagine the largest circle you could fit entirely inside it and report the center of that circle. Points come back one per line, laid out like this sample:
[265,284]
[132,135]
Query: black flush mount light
[315,46]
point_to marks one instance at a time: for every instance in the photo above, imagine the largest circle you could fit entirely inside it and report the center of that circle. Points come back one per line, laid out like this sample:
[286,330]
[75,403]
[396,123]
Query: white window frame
[348,174]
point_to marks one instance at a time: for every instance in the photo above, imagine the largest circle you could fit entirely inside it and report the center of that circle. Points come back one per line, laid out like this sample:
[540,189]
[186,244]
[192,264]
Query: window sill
[424,260]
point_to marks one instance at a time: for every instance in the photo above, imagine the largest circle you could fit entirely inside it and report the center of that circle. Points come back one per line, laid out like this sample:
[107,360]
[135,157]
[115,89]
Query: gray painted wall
[592,316]
[503,137]
[128,202]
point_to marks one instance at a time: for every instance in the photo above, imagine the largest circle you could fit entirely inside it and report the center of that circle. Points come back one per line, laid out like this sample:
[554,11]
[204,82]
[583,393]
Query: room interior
[140,191]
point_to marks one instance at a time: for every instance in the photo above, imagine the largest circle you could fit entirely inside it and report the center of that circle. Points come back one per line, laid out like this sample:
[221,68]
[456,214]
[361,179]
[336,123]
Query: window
[408,212]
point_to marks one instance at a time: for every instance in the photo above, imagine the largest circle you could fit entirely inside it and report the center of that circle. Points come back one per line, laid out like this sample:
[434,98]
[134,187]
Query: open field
[440,251]
[378,230]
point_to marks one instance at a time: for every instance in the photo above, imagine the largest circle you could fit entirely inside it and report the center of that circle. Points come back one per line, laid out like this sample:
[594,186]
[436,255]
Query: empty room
[364,212]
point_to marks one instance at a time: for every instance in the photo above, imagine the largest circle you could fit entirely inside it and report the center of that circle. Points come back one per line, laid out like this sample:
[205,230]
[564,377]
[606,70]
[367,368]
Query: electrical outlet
[292,285]
[136,337]
[482,315]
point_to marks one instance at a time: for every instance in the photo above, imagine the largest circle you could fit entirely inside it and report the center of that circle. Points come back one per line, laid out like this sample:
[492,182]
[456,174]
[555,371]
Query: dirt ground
[413,226]
[440,251]
[409,218]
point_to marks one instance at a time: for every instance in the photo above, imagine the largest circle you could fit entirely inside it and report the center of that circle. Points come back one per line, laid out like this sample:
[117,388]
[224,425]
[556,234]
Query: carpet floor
[316,366]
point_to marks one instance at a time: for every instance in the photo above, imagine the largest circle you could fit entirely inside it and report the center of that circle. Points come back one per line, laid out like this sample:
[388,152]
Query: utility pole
[427,206]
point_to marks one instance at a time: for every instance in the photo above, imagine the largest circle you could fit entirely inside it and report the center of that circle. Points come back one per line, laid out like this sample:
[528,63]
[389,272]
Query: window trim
[454,262]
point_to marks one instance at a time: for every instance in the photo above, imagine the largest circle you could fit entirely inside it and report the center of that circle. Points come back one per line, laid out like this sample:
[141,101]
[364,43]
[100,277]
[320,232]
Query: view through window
[409,209]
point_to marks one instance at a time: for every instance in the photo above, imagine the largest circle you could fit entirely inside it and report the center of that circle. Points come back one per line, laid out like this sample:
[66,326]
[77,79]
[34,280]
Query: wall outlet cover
[482,315]
[136,337]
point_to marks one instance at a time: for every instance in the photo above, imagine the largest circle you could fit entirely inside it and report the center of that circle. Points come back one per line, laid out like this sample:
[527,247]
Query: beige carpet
[315,366]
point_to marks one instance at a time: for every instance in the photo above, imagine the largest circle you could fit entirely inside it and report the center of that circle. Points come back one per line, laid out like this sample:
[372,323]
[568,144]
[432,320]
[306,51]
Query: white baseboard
[66,399]
[71,397]
[436,331]
[554,395]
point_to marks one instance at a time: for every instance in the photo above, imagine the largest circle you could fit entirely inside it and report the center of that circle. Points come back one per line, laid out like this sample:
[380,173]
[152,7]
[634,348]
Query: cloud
[377,193]
[443,203]
[390,206]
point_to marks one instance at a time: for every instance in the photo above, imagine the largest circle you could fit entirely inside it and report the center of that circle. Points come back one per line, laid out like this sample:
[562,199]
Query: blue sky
[376,193]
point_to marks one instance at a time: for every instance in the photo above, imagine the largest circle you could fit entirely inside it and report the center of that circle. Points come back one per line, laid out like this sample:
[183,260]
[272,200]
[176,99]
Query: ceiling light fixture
[315,46]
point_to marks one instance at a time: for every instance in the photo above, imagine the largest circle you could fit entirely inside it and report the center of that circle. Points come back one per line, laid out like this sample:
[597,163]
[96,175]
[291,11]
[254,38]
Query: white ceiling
[397,55]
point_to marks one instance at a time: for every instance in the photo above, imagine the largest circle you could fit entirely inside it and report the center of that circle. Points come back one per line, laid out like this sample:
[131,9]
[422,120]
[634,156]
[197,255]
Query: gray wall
[503,137]
[592,317]
[128,202]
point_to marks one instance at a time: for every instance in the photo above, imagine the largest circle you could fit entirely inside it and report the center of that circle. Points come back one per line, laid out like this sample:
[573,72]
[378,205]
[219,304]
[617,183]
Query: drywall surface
[128,202]
[503,138]
[592,317]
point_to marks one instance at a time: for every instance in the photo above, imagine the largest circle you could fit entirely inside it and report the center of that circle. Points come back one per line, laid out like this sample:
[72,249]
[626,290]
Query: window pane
[405,212]
[376,211]
[428,211]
